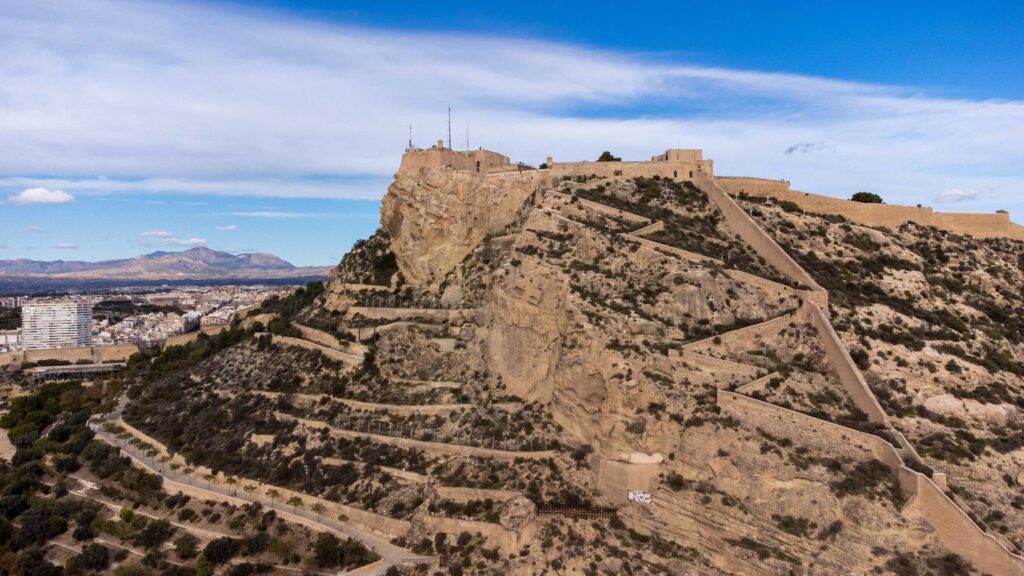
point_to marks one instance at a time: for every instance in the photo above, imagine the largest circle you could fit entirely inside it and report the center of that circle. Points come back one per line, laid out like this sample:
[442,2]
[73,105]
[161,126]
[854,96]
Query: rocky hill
[580,372]
[195,263]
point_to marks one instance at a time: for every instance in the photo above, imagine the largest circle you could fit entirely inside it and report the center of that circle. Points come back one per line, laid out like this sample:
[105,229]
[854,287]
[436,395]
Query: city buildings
[56,324]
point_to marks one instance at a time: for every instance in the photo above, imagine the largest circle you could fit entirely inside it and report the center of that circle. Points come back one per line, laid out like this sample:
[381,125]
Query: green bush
[867,198]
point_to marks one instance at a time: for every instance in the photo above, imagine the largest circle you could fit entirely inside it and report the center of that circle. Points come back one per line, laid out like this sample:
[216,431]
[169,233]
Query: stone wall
[958,533]
[94,354]
[437,314]
[346,357]
[840,360]
[952,527]
[744,226]
[807,430]
[996,225]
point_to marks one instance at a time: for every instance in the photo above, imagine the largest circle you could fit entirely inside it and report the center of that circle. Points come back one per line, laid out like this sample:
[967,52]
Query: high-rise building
[56,324]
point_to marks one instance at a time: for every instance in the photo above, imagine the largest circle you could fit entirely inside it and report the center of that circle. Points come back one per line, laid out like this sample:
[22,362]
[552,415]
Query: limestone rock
[517,513]
[436,216]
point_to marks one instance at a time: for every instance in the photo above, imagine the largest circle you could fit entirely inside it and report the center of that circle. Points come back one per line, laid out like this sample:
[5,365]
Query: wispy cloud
[157,233]
[234,102]
[228,228]
[34,229]
[40,196]
[189,242]
[956,195]
[66,246]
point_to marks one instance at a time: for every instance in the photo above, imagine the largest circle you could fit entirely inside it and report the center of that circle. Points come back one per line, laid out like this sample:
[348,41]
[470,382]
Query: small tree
[319,509]
[273,494]
[295,502]
[606,156]
[203,566]
[867,198]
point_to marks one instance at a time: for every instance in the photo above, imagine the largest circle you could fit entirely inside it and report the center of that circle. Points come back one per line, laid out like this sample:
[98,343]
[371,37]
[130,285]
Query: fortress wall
[752,186]
[615,212]
[460,494]
[438,314]
[94,354]
[773,290]
[329,352]
[665,248]
[721,373]
[744,226]
[808,430]
[838,357]
[995,225]
[675,169]
[768,327]
[650,229]
[958,533]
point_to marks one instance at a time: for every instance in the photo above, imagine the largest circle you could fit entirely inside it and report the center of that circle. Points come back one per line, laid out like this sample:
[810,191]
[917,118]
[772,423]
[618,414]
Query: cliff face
[436,216]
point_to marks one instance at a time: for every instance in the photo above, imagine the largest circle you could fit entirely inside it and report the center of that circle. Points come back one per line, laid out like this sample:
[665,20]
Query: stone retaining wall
[437,314]
[840,360]
[346,357]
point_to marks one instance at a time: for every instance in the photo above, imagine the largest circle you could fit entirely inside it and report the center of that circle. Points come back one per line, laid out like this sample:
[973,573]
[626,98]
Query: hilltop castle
[690,164]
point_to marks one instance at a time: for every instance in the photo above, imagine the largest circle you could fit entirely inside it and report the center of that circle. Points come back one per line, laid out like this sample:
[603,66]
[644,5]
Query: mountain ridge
[194,263]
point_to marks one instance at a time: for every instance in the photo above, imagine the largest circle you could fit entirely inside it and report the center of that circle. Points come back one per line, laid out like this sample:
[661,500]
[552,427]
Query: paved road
[390,553]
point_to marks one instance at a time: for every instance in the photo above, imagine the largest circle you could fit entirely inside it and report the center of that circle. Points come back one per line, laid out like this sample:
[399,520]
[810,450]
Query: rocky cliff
[666,399]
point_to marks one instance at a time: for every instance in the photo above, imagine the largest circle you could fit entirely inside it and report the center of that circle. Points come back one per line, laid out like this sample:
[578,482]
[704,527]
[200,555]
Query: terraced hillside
[623,375]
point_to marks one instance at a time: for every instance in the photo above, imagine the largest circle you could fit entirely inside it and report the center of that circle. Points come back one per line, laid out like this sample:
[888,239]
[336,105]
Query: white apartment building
[56,324]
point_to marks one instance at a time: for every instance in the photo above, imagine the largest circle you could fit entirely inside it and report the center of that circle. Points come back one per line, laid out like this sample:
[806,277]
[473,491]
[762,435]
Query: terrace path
[437,448]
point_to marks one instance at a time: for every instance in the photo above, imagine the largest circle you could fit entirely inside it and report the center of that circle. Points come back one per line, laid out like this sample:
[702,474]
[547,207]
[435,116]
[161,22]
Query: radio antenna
[449,127]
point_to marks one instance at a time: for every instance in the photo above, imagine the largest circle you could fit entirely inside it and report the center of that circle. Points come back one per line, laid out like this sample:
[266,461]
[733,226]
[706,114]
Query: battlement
[676,164]
[480,160]
[992,225]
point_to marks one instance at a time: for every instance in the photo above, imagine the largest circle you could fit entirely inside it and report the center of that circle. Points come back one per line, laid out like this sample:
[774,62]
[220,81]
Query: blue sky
[275,126]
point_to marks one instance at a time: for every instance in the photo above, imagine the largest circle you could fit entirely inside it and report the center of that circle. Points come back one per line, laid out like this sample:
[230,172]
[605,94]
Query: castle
[689,164]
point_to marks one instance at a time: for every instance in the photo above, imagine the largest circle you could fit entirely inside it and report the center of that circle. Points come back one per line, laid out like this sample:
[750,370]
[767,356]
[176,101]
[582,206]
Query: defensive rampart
[996,225]
[94,354]
[840,360]
[744,226]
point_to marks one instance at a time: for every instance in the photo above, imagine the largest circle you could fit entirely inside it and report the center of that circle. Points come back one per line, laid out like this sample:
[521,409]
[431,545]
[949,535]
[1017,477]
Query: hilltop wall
[94,354]
[996,225]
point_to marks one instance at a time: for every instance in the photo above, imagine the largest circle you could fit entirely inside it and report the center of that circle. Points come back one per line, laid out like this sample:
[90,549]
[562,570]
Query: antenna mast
[449,127]
[467,136]
[410,137]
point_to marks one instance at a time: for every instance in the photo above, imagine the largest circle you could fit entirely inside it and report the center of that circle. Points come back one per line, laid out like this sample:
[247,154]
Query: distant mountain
[195,263]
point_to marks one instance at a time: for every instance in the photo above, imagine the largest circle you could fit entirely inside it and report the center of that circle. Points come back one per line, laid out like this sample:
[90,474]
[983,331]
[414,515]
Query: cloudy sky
[127,127]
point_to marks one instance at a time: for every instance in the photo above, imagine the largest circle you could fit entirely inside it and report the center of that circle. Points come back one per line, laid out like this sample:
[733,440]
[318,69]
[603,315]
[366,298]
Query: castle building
[56,324]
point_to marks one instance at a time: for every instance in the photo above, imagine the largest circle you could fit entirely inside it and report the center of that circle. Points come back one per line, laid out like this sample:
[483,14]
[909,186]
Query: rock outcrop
[436,216]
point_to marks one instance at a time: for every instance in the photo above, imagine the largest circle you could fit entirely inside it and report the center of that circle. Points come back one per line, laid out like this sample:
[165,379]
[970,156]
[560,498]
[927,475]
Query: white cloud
[228,228]
[218,101]
[956,195]
[66,246]
[277,214]
[157,233]
[189,242]
[40,196]
[34,229]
